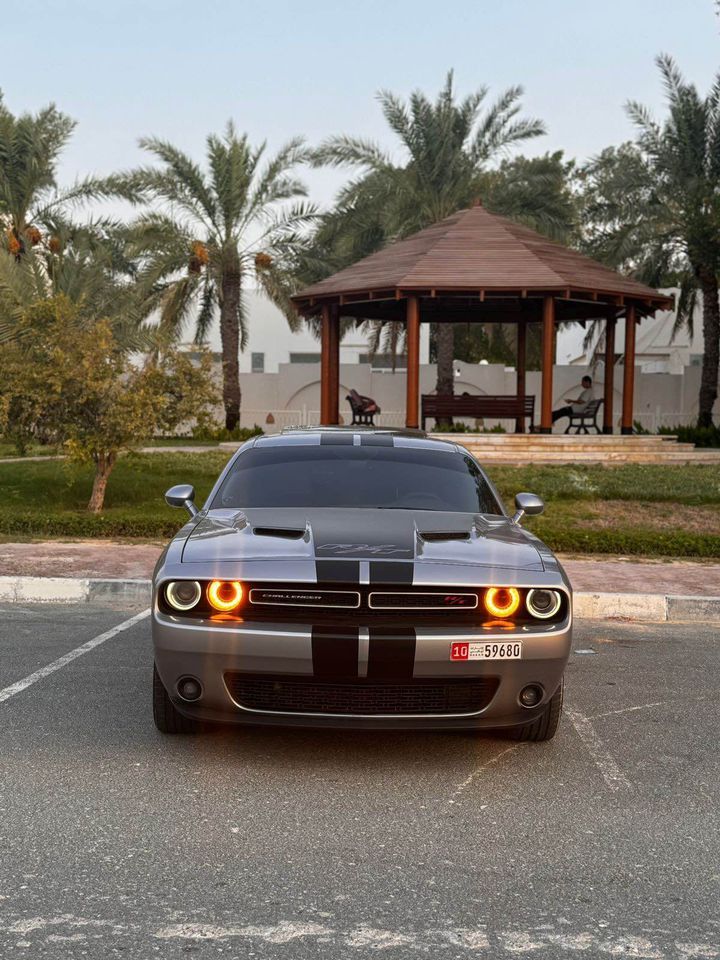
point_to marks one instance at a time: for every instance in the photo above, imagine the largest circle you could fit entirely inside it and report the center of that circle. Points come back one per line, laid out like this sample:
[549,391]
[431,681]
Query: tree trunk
[445,344]
[711,354]
[103,468]
[230,340]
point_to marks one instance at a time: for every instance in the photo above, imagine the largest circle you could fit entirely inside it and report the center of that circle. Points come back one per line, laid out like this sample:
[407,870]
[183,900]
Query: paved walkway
[194,448]
[102,558]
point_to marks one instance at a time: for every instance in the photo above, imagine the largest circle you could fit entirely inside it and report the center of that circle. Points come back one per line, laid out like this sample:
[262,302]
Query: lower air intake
[368,698]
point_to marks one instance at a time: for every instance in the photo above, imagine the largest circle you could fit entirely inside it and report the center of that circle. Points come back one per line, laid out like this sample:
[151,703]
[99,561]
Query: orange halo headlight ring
[224,595]
[502,602]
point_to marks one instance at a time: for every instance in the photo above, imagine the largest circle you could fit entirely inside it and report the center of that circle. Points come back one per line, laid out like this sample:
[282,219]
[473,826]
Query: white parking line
[604,760]
[614,713]
[478,770]
[69,657]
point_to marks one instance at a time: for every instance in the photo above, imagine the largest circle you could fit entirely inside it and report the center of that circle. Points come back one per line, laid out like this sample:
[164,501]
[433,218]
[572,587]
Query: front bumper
[208,651]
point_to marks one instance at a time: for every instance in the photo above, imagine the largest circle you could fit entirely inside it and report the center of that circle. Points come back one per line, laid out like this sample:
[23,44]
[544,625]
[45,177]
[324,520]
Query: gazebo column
[548,344]
[413,361]
[609,373]
[628,371]
[334,368]
[325,324]
[520,368]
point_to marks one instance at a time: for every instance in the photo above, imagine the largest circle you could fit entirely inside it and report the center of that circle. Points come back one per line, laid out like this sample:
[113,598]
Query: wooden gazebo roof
[476,258]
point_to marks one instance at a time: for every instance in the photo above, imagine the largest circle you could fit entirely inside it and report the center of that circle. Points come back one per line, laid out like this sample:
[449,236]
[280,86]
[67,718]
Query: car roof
[354,436]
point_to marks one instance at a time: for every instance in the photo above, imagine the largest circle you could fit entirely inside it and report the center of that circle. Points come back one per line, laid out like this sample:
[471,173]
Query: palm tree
[87,265]
[654,207]
[30,147]
[448,148]
[208,231]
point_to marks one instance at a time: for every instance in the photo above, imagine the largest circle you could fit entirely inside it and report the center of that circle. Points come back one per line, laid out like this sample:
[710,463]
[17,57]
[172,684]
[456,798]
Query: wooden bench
[363,409]
[581,421]
[477,406]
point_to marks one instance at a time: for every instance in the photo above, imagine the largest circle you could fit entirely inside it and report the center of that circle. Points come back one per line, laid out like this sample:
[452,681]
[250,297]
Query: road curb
[73,590]
[647,607]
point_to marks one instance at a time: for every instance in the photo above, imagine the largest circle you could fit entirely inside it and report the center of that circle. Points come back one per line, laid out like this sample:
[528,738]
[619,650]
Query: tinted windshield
[345,476]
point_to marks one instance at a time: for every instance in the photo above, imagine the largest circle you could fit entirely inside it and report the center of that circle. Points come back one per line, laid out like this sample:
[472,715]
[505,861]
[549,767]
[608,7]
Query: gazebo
[478,267]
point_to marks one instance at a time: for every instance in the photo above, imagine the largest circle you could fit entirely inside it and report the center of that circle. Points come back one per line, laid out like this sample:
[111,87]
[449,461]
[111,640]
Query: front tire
[167,718]
[545,726]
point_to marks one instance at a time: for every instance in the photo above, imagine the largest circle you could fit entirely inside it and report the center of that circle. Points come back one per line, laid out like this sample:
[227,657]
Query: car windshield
[390,478]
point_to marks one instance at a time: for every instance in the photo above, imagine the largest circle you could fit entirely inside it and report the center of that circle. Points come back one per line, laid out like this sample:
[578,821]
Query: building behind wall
[659,347]
[272,343]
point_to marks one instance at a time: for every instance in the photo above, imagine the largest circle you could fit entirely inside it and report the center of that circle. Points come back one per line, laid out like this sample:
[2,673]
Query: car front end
[313,619]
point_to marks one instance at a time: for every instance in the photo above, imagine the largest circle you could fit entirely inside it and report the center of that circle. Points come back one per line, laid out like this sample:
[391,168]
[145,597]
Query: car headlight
[543,604]
[501,601]
[225,595]
[183,594]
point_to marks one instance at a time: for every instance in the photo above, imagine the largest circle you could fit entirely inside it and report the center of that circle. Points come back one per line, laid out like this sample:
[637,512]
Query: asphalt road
[117,842]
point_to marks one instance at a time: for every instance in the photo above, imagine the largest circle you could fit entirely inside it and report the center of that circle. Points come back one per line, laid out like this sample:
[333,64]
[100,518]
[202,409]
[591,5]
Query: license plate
[486,650]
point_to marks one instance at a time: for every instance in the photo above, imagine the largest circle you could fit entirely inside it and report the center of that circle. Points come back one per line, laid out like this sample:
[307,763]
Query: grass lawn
[644,510]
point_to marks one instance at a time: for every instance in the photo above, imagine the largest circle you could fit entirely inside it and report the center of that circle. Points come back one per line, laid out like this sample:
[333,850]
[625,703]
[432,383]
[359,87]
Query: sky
[179,70]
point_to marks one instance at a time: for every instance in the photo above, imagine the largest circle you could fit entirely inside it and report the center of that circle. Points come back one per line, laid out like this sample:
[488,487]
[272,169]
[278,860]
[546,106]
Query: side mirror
[527,503]
[182,495]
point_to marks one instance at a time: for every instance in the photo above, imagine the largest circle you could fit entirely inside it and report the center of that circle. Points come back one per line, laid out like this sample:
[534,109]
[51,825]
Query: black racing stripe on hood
[336,439]
[335,652]
[337,571]
[376,440]
[392,653]
[363,534]
[391,571]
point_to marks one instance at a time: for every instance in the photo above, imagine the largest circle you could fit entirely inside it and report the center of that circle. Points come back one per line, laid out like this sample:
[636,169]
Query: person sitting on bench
[578,406]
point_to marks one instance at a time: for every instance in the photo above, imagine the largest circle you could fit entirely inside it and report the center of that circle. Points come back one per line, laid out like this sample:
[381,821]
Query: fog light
[189,688]
[501,601]
[531,695]
[183,594]
[225,594]
[543,604]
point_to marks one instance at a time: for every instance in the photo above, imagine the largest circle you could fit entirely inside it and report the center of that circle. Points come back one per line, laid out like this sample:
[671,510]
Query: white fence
[273,421]
[663,418]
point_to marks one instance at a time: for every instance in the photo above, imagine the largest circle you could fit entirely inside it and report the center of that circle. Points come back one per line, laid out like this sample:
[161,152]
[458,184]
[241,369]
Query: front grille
[440,600]
[362,697]
[361,604]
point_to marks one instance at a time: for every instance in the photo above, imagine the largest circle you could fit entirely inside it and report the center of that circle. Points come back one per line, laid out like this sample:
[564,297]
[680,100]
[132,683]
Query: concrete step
[509,439]
[600,451]
[544,458]
[578,448]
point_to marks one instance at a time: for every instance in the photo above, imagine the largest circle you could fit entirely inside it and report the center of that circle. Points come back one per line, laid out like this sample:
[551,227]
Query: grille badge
[421,600]
[348,599]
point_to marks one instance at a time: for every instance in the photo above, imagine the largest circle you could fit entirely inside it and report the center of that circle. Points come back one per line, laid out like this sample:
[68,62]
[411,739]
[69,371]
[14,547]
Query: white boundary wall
[292,395]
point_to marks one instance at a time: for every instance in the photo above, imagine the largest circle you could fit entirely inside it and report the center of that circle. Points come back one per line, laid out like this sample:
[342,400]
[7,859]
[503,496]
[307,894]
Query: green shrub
[700,436]
[223,435]
[461,428]
[118,524]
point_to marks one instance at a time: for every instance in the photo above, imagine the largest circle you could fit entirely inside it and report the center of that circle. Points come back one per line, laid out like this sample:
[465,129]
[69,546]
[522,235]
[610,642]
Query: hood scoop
[282,533]
[443,536]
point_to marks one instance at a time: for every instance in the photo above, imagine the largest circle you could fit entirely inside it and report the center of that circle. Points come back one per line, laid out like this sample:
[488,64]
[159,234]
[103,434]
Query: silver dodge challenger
[358,578]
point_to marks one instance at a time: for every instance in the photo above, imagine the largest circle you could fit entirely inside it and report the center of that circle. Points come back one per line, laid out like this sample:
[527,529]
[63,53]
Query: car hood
[326,534]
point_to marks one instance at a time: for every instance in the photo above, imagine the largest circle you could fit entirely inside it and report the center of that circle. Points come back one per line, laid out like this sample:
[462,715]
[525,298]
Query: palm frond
[207,312]
[185,173]
[342,151]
